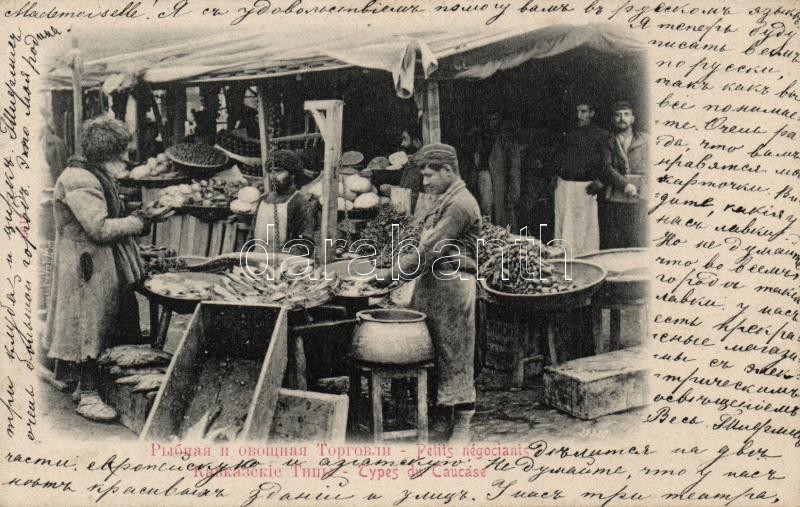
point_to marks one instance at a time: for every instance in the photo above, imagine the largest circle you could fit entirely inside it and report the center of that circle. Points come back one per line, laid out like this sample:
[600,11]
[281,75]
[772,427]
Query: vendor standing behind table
[623,215]
[585,157]
[92,305]
[283,214]
[445,292]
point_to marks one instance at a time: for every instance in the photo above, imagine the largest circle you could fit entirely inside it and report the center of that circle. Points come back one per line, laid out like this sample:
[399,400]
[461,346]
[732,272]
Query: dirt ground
[501,414]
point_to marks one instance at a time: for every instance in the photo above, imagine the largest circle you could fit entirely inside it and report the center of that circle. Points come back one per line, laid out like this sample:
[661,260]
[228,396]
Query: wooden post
[263,126]
[77,93]
[176,102]
[431,127]
[328,116]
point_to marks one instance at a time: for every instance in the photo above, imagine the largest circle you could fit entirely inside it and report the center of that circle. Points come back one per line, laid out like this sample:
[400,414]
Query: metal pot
[392,336]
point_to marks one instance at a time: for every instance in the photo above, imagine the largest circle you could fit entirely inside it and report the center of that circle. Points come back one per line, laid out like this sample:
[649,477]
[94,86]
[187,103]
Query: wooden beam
[263,125]
[431,126]
[77,94]
[328,116]
[177,112]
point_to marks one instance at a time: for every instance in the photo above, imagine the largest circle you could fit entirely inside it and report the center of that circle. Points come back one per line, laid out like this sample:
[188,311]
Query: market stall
[203,194]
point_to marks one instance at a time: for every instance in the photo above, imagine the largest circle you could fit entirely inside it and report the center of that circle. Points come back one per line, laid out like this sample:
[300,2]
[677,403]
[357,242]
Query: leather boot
[461,427]
[441,423]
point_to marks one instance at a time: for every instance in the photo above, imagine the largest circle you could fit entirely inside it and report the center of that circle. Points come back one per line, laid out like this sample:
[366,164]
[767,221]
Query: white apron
[576,217]
[267,211]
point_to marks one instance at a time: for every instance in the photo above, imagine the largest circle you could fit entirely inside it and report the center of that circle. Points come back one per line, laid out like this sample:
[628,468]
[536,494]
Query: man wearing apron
[283,214]
[584,157]
[445,289]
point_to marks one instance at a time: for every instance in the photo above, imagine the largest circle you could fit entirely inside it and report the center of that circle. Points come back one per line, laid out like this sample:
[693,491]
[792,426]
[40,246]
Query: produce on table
[535,277]
[155,167]
[378,232]
[246,200]
[213,193]
[350,189]
[160,259]
[367,201]
[196,154]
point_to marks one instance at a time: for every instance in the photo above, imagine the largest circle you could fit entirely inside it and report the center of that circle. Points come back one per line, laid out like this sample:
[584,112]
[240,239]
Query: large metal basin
[392,336]
[628,278]
[586,275]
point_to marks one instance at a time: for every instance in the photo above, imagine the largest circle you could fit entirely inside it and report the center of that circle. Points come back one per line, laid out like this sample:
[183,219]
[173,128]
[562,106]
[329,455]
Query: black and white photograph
[398,253]
[182,171]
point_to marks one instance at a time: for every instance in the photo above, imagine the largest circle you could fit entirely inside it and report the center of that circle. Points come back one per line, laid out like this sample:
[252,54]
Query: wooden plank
[229,238]
[215,239]
[175,394]
[263,122]
[188,235]
[422,406]
[178,112]
[310,416]
[77,93]
[262,407]
[133,408]
[173,233]
[376,403]
[431,124]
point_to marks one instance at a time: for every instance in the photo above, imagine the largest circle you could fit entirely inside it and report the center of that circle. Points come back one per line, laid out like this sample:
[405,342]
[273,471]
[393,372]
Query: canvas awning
[439,54]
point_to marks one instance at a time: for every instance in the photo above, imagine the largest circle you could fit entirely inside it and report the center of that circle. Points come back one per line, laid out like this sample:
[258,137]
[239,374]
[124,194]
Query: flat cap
[622,104]
[437,154]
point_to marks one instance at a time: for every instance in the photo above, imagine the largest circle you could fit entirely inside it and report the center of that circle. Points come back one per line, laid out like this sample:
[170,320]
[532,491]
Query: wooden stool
[376,375]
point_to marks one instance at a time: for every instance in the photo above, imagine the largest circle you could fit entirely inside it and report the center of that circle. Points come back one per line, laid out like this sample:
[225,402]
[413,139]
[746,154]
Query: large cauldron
[392,336]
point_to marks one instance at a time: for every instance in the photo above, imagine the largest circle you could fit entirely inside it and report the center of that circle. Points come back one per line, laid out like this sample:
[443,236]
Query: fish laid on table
[119,371]
[127,356]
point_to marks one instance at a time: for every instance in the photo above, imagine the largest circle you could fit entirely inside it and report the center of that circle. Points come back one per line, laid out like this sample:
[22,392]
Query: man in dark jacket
[623,211]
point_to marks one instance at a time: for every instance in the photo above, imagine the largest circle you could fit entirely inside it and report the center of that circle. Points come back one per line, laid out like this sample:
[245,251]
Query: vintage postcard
[398,252]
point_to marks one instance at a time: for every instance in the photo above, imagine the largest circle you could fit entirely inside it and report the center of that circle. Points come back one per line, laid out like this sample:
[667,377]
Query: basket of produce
[239,146]
[628,273]
[538,284]
[196,156]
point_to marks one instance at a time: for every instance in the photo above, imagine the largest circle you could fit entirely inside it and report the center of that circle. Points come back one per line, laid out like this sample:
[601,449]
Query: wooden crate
[595,386]
[310,416]
[132,408]
[231,356]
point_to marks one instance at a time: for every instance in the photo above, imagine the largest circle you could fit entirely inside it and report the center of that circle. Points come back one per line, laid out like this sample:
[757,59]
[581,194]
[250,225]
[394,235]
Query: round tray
[628,278]
[170,153]
[181,305]
[588,276]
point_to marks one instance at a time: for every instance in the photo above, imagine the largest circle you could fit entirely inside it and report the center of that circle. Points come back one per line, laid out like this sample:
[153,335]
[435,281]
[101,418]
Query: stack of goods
[378,232]
[196,155]
[246,201]
[160,259]
[355,193]
[158,167]
[138,365]
[213,193]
